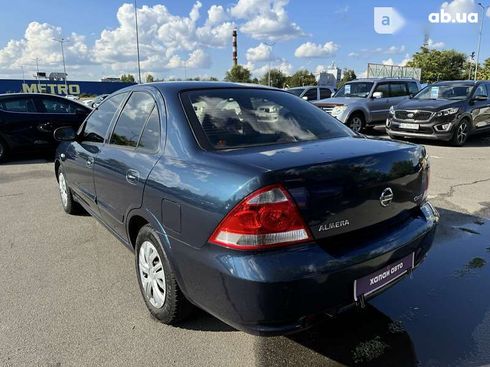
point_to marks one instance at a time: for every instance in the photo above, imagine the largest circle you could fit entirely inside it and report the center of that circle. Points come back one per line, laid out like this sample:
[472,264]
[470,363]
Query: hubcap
[63,189]
[462,132]
[152,275]
[356,124]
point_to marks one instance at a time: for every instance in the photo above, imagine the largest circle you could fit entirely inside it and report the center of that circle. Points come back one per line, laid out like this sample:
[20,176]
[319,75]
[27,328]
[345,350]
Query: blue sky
[187,38]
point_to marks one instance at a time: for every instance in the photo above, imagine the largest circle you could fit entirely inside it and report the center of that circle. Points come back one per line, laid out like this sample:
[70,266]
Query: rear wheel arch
[57,165]
[135,223]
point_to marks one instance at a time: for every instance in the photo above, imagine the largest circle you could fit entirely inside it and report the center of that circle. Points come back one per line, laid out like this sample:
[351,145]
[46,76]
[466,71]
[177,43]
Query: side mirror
[480,97]
[377,95]
[64,134]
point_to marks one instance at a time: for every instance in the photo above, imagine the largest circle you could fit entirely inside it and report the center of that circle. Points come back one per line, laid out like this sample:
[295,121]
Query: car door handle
[90,161]
[132,176]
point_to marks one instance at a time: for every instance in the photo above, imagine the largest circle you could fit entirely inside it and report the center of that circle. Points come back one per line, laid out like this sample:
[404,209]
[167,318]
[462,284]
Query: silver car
[366,102]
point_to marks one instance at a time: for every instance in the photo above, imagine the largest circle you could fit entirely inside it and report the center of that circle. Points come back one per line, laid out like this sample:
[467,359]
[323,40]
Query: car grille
[413,115]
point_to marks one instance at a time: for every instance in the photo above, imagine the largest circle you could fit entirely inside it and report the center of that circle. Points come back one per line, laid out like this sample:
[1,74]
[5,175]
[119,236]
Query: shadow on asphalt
[441,317]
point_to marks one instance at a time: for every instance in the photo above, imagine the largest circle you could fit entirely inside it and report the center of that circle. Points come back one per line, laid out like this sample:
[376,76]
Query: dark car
[27,121]
[449,111]
[247,202]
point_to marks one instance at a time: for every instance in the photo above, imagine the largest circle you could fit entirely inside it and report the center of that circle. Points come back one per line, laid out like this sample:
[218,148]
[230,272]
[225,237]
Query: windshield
[296,91]
[357,89]
[243,117]
[452,92]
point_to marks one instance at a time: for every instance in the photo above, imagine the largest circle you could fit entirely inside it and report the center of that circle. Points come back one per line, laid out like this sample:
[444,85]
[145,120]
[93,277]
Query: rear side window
[413,88]
[52,105]
[325,93]
[244,117]
[98,123]
[481,91]
[398,89]
[18,105]
[132,119]
[150,138]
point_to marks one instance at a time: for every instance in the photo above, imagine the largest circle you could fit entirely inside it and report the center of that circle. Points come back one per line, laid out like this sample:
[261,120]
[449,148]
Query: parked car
[449,111]
[366,102]
[312,93]
[72,97]
[264,223]
[27,121]
[98,100]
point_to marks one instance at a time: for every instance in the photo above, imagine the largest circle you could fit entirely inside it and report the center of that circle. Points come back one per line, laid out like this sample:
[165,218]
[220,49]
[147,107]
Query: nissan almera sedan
[247,202]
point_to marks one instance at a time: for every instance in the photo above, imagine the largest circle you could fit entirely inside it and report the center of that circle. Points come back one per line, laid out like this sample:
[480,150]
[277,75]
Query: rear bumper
[282,291]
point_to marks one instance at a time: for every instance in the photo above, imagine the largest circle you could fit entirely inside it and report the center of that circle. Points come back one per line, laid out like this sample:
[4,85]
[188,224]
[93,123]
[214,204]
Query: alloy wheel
[462,132]
[63,189]
[152,275]
[356,124]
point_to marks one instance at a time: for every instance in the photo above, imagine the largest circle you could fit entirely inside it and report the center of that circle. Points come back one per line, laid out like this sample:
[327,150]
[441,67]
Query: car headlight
[338,110]
[392,111]
[448,111]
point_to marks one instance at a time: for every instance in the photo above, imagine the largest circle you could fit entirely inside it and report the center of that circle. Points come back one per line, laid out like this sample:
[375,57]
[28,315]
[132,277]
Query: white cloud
[388,62]
[39,42]
[281,64]
[262,52]
[458,6]
[394,50]
[353,54]
[216,14]
[433,44]
[266,20]
[312,50]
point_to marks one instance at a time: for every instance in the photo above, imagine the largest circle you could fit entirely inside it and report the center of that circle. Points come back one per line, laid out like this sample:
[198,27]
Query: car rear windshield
[243,117]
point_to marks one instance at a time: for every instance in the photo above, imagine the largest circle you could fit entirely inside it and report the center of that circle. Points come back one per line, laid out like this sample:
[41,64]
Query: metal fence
[393,71]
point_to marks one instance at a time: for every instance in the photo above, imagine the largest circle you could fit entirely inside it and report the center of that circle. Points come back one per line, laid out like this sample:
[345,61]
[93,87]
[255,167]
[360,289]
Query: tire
[4,150]
[162,294]
[356,122]
[461,133]
[69,205]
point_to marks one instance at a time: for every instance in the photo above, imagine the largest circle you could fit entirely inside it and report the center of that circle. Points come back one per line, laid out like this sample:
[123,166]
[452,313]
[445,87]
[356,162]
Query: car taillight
[266,218]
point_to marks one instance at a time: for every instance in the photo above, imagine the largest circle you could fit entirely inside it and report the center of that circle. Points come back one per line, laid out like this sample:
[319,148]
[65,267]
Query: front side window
[357,89]
[98,123]
[296,91]
[311,94]
[481,91]
[244,117]
[413,88]
[132,119]
[383,88]
[18,105]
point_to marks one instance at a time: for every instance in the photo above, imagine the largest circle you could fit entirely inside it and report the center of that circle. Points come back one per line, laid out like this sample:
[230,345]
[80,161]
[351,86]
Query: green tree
[149,78]
[439,64]
[347,76]
[129,78]
[483,70]
[277,77]
[238,74]
[300,78]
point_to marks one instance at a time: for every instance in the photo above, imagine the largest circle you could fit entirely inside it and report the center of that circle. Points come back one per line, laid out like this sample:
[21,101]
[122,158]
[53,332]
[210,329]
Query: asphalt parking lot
[69,296]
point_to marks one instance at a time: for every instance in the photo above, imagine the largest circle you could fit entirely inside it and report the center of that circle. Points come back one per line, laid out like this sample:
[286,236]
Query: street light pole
[37,73]
[484,8]
[137,40]
[62,41]
[270,44]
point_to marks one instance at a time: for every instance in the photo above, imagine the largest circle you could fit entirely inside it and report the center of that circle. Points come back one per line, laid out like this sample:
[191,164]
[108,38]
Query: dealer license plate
[381,278]
[409,126]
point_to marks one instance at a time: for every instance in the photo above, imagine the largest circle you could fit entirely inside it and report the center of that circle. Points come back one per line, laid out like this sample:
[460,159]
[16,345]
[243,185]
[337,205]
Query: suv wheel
[356,123]
[461,133]
[156,280]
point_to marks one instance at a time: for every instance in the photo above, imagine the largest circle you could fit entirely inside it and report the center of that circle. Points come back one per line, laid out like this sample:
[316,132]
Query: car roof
[464,82]
[179,86]
[372,80]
